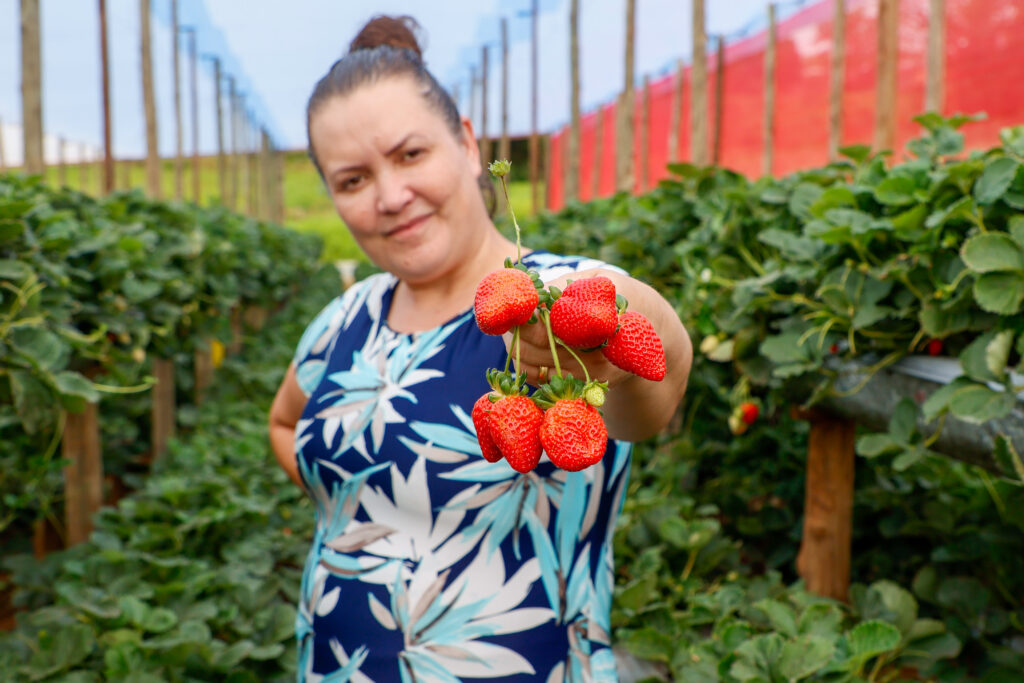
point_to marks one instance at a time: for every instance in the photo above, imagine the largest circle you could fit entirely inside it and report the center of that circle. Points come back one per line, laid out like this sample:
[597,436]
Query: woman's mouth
[408,227]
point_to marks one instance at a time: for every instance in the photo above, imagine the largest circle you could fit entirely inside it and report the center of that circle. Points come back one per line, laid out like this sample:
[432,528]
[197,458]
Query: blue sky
[279,50]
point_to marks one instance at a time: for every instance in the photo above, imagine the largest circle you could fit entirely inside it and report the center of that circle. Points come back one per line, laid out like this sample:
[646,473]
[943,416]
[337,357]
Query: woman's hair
[385,48]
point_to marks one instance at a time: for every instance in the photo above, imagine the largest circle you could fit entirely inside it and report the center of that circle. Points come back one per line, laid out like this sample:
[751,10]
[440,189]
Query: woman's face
[401,180]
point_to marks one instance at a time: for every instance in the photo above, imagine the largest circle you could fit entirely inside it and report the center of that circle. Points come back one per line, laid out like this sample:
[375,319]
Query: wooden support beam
[824,557]
[719,97]
[570,185]
[888,71]
[699,89]
[677,112]
[625,173]
[485,141]
[194,88]
[645,138]
[179,191]
[838,64]
[767,160]
[534,139]
[62,163]
[504,148]
[163,410]
[595,180]
[154,184]
[31,89]
[83,475]
[107,183]
[935,88]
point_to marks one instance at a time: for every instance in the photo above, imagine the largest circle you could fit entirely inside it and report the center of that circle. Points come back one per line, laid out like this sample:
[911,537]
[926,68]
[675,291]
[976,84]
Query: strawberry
[504,299]
[585,315]
[636,347]
[514,425]
[573,434]
[481,417]
[935,347]
[749,412]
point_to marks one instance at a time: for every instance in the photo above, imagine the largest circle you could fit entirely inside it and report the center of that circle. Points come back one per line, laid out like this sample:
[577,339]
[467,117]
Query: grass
[307,206]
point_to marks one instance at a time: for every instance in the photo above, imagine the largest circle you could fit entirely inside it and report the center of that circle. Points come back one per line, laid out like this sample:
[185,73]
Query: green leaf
[922,653]
[903,423]
[804,195]
[785,348]
[938,403]
[804,656]
[895,191]
[899,602]
[138,291]
[792,245]
[755,659]
[1008,459]
[780,615]
[41,346]
[651,644]
[874,445]
[10,229]
[723,352]
[964,594]
[973,358]
[871,638]
[1016,229]
[1000,293]
[15,271]
[978,404]
[75,390]
[821,619]
[70,646]
[995,180]
[992,252]
[997,353]
[908,458]
[32,400]
[962,208]
[939,322]
[858,154]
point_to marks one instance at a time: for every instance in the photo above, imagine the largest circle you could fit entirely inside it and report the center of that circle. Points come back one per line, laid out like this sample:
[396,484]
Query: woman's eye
[412,154]
[350,183]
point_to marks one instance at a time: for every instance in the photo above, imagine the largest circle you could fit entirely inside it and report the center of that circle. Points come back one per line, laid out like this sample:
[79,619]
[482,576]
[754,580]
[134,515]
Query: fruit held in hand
[573,434]
[504,299]
[481,422]
[585,315]
[636,347]
[515,428]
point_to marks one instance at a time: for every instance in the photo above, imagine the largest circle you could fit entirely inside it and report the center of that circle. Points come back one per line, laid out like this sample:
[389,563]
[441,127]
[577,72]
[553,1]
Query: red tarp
[984,69]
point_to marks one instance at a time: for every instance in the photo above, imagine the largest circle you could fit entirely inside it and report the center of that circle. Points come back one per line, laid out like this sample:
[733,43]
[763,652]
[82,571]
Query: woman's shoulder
[550,265]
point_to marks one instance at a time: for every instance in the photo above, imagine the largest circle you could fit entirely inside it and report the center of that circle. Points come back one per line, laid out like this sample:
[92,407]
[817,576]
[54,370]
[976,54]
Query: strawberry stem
[586,375]
[508,356]
[546,317]
[515,342]
[511,212]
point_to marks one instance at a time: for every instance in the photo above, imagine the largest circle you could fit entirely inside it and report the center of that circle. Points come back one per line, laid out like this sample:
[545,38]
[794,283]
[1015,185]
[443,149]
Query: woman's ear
[472,148]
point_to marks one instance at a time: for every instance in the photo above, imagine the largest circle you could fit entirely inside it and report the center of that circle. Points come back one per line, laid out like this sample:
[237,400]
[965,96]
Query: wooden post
[83,475]
[267,186]
[888,62]
[824,557]
[31,89]
[699,89]
[108,150]
[235,346]
[624,172]
[3,154]
[534,141]
[935,95]
[153,172]
[221,161]
[176,75]
[252,177]
[62,163]
[126,174]
[645,137]
[719,93]
[676,113]
[835,105]
[571,182]
[163,422]
[279,186]
[504,149]
[547,169]
[595,180]
[202,366]
[83,168]
[255,317]
[232,198]
[769,96]
[485,141]
[194,86]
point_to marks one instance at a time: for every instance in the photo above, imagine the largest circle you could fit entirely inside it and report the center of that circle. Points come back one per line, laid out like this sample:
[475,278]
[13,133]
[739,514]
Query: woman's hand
[536,360]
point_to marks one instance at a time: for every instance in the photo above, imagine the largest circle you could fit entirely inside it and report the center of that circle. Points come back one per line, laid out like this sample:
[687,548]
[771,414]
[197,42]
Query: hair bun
[398,32]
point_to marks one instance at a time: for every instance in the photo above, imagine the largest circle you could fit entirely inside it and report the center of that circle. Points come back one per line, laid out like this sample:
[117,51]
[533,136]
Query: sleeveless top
[428,563]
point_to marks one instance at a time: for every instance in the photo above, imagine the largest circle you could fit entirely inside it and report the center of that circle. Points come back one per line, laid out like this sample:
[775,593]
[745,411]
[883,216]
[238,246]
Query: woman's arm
[636,408]
[284,415]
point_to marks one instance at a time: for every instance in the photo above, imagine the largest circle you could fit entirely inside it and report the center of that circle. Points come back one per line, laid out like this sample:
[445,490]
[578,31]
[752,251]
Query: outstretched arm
[284,415]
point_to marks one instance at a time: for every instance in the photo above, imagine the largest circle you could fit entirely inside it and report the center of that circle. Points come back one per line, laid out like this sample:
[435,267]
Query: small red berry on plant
[636,347]
[749,412]
[935,347]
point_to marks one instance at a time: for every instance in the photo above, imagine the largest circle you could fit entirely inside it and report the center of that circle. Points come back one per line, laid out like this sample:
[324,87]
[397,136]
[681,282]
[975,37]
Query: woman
[430,563]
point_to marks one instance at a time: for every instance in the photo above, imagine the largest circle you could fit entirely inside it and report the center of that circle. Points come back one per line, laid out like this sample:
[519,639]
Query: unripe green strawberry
[594,394]
[515,427]
[585,315]
[636,347]
[481,422]
[573,434]
[504,299]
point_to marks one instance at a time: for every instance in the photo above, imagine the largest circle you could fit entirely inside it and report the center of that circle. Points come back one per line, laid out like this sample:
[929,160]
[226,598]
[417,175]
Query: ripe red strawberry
[515,425]
[935,347]
[585,315]
[573,434]
[504,299]
[481,421]
[749,412]
[636,347]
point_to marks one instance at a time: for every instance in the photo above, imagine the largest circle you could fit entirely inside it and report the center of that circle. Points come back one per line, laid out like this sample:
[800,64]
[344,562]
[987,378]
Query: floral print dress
[430,564]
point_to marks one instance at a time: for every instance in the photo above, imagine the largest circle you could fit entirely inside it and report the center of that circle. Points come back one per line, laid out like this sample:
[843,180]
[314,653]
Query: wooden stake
[194,85]
[202,365]
[934,97]
[625,173]
[3,154]
[107,185]
[824,557]
[699,89]
[719,95]
[888,63]
[645,137]
[222,174]
[31,89]
[547,170]
[163,422]
[595,180]
[83,475]
[571,183]
[179,191]
[62,164]
[769,95]
[485,141]
[232,198]
[504,149]
[154,185]
[126,174]
[835,103]
[676,113]
[83,168]
[534,140]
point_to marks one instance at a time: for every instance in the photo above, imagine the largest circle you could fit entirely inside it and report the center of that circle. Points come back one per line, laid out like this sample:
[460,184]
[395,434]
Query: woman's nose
[393,192]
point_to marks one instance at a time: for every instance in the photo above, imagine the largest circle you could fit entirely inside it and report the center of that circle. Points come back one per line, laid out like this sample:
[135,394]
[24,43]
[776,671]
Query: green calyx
[505,383]
[557,389]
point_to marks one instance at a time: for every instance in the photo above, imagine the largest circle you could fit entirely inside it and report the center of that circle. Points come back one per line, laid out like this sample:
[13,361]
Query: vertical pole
[699,89]
[888,62]
[222,174]
[62,165]
[108,153]
[176,71]
[677,112]
[624,170]
[547,169]
[824,557]
[83,168]
[3,155]
[835,105]
[83,475]
[195,113]
[31,89]
[485,141]
[251,180]
[279,185]
[645,138]
[571,182]
[595,181]
[153,172]
[534,141]
[266,187]
[504,150]
[162,422]
[934,96]
[769,95]
[719,93]
[233,125]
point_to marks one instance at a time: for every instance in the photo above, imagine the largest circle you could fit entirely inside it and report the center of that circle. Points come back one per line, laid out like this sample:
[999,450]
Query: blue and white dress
[430,564]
